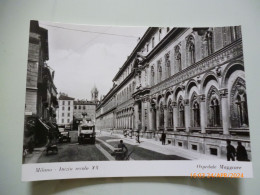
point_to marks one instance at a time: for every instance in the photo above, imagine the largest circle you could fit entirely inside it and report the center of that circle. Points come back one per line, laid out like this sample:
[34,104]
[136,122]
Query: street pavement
[106,142]
[68,152]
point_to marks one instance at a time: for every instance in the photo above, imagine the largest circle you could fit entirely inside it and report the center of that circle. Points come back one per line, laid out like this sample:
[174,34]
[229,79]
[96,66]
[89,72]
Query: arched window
[170,114]
[167,65]
[239,112]
[214,108]
[152,76]
[234,33]
[178,59]
[153,42]
[208,40]
[160,34]
[159,72]
[161,115]
[190,50]
[214,105]
[195,112]
[181,113]
[241,102]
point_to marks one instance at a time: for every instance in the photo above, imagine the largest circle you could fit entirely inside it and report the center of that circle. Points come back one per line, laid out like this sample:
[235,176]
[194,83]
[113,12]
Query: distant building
[70,110]
[65,111]
[83,106]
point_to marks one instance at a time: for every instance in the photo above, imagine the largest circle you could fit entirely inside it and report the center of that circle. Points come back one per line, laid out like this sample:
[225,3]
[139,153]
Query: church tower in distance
[94,94]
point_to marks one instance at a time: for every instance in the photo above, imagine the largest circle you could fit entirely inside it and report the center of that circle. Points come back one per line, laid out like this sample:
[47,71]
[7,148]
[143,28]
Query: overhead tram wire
[85,44]
[103,33]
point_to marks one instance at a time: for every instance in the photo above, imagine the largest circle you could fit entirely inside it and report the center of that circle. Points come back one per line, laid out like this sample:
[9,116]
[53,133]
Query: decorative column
[136,116]
[125,121]
[187,114]
[129,120]
[165,110]
[157,118]
[175,116]
[203,113]
[225,110]
[143,113]
[132,118]
[150,116]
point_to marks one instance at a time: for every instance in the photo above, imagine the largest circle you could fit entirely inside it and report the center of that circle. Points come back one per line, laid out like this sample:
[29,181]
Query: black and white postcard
[111,101]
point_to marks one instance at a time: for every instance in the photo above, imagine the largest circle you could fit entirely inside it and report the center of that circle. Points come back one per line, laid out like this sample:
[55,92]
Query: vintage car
[86,131]
[87,135]
[64,136]
[53,148]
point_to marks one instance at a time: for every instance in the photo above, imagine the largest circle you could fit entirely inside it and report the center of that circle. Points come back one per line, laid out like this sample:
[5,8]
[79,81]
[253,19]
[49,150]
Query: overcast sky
[82,59]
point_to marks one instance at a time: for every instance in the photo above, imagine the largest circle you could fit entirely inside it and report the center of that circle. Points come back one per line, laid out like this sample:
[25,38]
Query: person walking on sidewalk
[241,152]
[231,151]
[138,132]
[123,149]
[163,138]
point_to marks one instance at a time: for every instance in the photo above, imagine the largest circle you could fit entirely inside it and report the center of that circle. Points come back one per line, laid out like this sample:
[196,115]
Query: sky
[83,56]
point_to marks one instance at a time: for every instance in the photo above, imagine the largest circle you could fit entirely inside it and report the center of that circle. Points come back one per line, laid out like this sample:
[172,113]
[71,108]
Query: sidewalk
[156,146]
[34,156]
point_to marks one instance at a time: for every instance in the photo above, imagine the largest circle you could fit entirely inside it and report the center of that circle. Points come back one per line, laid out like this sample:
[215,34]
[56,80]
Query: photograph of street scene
[107,93]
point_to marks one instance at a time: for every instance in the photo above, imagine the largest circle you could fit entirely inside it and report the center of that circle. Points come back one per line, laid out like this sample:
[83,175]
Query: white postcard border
[96,169]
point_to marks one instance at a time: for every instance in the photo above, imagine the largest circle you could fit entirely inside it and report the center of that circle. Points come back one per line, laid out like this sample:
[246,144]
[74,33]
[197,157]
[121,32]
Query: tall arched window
[160,34]
[214,108]
[239,112]
[167,65]
[190,50]
[181,109]
[152,76]
[208,40]
[170,114]
[161,115]
[178,58]
[195,112]
[214,105]
[159,72]
[241,102]
[234,34]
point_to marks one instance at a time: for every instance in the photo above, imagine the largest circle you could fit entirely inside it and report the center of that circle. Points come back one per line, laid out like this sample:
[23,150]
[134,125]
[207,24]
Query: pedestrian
[123,148]
[138,132]
[231,151]
[241,152]
[163,138]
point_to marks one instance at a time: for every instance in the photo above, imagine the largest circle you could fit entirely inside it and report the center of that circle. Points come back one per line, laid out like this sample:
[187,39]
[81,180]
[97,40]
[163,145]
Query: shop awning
[45,125]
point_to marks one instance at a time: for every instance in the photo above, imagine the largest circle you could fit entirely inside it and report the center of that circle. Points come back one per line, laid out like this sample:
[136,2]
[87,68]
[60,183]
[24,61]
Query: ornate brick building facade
[186,82]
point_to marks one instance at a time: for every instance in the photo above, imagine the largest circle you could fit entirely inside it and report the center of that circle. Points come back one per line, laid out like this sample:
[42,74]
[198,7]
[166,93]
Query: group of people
[240,152]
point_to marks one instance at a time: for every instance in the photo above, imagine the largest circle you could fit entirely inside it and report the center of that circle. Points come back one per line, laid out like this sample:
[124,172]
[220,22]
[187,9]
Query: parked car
[64,137]
[53,148]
